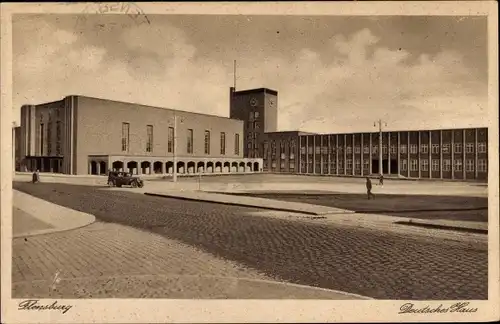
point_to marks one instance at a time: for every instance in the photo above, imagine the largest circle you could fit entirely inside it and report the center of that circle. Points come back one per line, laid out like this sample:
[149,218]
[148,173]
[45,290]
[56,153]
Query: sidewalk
[34,216]
[107,260]
[251,202]
[332,215]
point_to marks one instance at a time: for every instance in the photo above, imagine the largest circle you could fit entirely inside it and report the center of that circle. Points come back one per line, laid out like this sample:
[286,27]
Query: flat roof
[258,90]
[163,108]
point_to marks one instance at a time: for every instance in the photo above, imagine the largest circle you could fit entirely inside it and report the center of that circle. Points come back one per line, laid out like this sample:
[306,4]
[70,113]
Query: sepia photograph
[244,154]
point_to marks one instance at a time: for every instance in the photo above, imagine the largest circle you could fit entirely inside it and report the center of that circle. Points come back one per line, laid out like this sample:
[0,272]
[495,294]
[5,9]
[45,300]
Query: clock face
[253,102]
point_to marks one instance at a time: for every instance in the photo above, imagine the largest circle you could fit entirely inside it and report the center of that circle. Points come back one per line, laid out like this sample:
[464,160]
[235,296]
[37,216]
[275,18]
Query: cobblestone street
[376,264]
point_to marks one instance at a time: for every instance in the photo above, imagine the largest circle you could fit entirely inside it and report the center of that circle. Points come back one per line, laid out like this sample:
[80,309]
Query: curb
[51,231]
[319,215]
[444,227]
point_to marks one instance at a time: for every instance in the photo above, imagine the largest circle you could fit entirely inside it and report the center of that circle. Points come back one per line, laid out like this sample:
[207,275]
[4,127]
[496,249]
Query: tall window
[447,165]
[393,149]
[149,144]
[349,164]
[424,165]
[375,149]
[404,165]
[481,147]
[469,166]
[357,149]
[446,148]
[366,164]
[435,148]
[458,165]
[49,137]
[190,141]
[482,165]
[435,165]
[222,143]
[384,149]
[236,144]
[413,148]
[349,150]
[292,149]
[207,142]
[414,165]
[357,164]
[366,149]
[170,140]
[424,148]
[42,133]
[282,150]
[125,136]
[58,137]
[469,148]
[458,148]
[404,149]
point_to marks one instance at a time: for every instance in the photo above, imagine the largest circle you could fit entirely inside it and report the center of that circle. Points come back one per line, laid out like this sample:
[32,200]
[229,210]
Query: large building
[82,135]
[459,154]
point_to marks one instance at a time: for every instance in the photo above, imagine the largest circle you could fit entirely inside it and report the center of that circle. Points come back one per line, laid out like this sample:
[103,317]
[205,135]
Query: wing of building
[83,135]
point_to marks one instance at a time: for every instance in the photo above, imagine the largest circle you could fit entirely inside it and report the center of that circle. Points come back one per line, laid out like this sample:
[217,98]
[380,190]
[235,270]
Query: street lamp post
[380,156]
[174,173]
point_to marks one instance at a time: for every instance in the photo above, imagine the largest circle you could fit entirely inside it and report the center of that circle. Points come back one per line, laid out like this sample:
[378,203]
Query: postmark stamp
[132,10]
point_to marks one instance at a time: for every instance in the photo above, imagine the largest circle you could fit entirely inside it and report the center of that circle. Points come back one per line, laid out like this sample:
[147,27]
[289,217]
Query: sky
[332,73]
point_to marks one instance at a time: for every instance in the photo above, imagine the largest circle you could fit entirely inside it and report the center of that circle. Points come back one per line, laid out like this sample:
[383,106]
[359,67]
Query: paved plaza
[243,242]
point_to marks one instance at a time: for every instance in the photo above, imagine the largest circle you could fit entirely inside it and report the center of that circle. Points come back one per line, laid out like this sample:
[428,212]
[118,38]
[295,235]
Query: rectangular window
[349,150]
[222,143]
[357,150]
[481,147]
[310,150]
[125,136]
[404,165]
[357,164]
[435,148]
[236,144]
[58,137]
[170,140]
[49,137]
[404,149]
[42,133]
[482,165]
[292,166]
[366,164]
[256,115]
[458,148]
[469,148]
[190,141]
[282,164]
[435,165]
[292,150]
[424,165]
[303,150]
[413,149]
[446,165]
[366,150]
[318,150]
[469,166]
[375,149]
[384,149]
[457,165]
[446,148]
[349,164]
[273,164]
[207,142]
[149,144]
[414,165]
[256,125]
[394,149]
[424,148]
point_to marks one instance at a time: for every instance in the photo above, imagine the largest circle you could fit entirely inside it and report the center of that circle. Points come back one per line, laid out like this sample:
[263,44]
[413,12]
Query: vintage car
[118,179]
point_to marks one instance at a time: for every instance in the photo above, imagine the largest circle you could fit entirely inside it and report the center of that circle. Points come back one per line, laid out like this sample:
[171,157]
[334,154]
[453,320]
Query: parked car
[118,179]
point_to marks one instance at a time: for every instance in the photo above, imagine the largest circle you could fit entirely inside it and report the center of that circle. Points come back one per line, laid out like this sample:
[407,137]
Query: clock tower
[258,108]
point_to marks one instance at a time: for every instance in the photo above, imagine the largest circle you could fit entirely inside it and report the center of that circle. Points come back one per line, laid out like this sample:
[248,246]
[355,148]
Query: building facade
[83,135]
[459,154]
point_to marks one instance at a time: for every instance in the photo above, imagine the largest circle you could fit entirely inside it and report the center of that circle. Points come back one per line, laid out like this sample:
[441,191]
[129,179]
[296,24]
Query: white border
[156,311]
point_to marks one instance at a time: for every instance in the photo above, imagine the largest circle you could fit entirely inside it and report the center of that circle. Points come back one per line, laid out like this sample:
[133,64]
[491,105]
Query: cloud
[344,88]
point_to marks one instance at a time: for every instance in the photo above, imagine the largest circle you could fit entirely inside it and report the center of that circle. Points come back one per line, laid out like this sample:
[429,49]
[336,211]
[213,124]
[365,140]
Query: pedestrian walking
[369,188]
[381,180]
[36,176]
